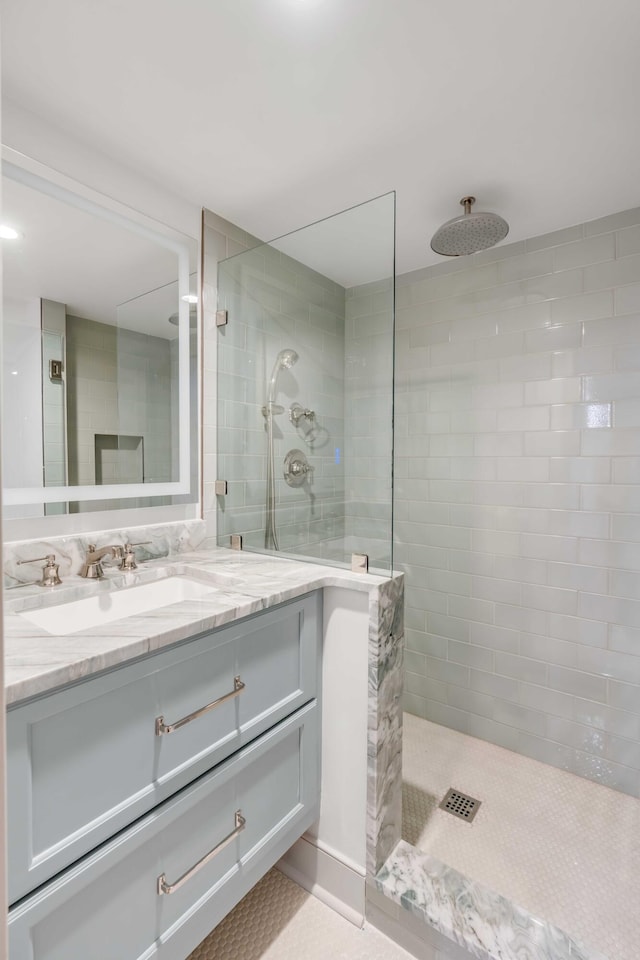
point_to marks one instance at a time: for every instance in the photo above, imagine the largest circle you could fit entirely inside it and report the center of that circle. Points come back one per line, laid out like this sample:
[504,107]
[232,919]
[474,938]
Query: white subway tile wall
[344,339]
[275,302]
[518,496]
[368,426]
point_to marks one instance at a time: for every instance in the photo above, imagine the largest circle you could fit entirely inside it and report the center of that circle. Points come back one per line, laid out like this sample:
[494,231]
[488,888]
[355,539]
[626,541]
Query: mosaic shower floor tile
[564,848]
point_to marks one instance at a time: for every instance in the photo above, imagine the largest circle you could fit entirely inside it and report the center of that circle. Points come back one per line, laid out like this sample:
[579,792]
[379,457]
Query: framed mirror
[100,347]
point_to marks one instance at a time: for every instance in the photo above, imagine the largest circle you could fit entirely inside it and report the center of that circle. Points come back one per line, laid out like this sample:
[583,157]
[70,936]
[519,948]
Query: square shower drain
[460,805]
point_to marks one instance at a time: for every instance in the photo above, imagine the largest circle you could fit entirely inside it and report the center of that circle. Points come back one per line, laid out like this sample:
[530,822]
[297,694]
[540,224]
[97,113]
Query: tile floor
[278,920]
[564,848]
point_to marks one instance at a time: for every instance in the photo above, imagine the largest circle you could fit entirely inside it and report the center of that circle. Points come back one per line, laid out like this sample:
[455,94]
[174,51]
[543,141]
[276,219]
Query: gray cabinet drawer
[86,761]
[108,907]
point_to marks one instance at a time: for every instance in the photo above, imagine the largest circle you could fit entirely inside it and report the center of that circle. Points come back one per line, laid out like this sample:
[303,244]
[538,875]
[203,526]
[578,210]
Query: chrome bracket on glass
[221,488]
[165,888]
[359,563]
[162,727]
[236,541]
[296,468]
[55,371]
[222,318]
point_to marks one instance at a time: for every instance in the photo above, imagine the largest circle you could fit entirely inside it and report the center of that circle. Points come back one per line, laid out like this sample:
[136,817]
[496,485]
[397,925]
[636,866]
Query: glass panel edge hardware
[55,371]
[359,563]
[222,318]
[236,541]
[221,488]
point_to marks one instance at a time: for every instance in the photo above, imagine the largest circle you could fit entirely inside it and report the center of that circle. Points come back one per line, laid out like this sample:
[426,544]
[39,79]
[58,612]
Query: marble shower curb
[486,924]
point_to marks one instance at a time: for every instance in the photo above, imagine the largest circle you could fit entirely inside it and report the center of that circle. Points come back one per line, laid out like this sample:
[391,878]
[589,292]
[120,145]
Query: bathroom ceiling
[275,113]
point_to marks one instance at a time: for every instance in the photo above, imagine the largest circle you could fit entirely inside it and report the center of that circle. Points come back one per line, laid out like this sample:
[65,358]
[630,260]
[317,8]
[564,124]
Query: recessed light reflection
[14,373]
[190,298]
[7,232]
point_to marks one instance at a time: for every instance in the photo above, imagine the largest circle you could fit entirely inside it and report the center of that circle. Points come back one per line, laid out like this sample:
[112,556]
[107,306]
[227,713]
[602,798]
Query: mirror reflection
[99,359]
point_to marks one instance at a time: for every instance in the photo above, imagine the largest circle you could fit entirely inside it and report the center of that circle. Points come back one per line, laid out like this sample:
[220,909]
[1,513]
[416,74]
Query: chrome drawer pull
[164,887]
[162,727]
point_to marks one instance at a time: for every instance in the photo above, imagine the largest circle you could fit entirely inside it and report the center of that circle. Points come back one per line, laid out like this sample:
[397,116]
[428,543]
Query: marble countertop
[242,584]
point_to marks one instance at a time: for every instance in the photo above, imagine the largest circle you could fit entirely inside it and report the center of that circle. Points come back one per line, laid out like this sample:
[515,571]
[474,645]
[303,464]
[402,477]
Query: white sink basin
[104,607]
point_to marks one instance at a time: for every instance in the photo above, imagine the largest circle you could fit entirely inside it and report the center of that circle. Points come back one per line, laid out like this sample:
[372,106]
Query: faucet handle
[129,557]
[50,577]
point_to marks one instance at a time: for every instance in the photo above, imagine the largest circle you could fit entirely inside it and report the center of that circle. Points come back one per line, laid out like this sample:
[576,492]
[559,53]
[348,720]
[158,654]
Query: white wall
[331,859]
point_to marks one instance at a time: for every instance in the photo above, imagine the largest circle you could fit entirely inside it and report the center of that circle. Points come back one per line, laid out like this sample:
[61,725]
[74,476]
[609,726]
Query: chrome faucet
[92,568]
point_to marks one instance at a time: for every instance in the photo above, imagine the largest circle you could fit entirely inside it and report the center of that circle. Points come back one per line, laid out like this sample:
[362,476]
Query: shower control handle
[297,413]
[296,468]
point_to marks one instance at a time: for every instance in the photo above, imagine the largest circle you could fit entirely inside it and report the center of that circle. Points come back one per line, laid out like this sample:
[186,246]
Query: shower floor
[564,848]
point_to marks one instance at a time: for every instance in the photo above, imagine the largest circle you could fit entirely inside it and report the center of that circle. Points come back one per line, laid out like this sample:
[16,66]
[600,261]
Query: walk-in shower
[284,361]
[517,424]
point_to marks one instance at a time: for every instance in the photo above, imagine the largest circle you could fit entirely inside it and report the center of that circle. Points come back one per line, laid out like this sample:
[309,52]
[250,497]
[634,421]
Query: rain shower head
[193,318]
[284,361]
[469,232]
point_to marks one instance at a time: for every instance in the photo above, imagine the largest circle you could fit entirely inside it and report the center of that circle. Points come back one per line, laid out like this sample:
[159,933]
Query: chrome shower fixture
[469,232]
[297,413]
[284,361]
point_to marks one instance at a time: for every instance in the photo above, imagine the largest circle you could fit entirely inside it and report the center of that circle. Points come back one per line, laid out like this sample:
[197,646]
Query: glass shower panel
[305,390]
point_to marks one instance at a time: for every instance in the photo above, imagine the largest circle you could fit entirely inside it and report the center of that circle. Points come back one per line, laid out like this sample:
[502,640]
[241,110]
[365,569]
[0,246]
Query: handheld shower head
[286,358]
[284,361]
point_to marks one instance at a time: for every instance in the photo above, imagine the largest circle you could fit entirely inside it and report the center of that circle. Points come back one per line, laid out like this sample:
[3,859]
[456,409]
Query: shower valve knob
[296,468]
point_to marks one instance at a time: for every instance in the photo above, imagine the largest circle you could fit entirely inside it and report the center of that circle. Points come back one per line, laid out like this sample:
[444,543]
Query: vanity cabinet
[106,796]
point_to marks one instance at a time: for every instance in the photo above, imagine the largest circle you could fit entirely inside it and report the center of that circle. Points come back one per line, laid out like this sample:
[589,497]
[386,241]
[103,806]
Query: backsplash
[157,540]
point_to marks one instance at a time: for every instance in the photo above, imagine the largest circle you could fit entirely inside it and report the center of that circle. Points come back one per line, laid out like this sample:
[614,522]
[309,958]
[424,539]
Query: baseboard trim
[332,881]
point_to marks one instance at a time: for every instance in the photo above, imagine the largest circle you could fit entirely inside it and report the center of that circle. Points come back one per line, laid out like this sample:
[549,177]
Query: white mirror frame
[31,173]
